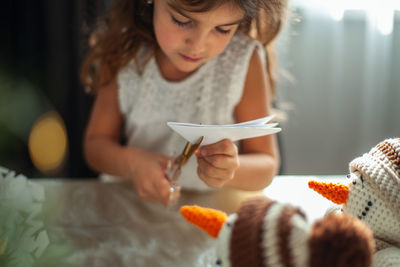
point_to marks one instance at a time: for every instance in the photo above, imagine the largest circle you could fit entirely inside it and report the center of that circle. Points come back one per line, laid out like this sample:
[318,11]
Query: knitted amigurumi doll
[268,233]
[373,195]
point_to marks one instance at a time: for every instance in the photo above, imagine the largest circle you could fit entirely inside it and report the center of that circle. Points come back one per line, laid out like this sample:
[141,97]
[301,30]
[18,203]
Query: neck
[168,70]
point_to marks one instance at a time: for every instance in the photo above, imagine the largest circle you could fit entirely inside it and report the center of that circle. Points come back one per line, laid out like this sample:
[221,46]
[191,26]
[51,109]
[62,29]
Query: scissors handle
[173,190]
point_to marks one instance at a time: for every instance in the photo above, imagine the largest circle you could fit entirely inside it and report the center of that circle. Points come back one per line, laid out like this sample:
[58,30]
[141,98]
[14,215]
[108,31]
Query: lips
[190,59]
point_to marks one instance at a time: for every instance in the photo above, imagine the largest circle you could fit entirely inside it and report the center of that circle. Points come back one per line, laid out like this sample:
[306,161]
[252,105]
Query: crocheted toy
[267,233]
[373,195]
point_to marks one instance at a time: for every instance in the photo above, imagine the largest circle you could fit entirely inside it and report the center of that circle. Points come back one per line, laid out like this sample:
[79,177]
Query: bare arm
[258,159]
[101,143]
[104,153]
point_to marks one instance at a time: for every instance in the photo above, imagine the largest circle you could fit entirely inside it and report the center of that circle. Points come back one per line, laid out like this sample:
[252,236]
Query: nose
[335,192]
[197,42]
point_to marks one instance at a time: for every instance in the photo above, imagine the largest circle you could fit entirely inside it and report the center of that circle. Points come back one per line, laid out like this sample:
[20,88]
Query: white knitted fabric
[270,239]
[389,257]
[209,96]
[223,245]
[298,237]
[365,203]
[374,195]
[298,240]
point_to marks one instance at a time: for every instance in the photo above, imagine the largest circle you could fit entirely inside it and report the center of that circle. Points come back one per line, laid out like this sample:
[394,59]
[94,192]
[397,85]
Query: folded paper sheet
[214,133]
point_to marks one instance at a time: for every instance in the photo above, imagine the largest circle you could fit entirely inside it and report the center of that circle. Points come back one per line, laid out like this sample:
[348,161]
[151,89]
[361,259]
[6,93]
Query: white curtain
[345,85]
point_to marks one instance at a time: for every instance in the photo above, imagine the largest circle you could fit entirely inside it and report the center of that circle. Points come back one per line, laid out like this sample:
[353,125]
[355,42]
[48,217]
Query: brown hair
[128,24]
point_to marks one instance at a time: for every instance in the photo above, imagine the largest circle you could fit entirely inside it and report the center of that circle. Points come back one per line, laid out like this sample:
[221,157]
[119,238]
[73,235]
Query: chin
[189,67]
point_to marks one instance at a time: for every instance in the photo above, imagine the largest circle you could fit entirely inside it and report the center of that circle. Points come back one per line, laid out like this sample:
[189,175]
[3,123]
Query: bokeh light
[48,143]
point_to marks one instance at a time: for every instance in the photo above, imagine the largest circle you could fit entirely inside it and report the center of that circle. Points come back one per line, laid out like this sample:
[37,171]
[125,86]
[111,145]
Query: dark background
[42,48]
[43,43]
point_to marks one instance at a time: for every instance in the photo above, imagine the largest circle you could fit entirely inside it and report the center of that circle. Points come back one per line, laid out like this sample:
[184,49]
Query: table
[93,223]
[294,190]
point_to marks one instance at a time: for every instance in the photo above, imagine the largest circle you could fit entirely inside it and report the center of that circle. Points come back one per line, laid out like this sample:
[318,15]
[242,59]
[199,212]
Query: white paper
[215,133]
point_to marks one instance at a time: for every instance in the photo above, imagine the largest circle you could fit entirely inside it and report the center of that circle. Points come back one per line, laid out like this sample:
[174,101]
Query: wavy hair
[128,24]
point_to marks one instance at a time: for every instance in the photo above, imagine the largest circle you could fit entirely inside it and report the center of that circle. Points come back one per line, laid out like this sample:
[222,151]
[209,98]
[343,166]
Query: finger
[208,170]
[225,147]
[167,162]
[148,191]
[143,189]
[177,194]
[163,187]
[221,161]
[215,183]
[145,196]
[150,194]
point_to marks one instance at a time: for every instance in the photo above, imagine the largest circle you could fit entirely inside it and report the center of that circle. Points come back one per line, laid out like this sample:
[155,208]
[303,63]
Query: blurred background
[43,107]
[341,81]
[339,87]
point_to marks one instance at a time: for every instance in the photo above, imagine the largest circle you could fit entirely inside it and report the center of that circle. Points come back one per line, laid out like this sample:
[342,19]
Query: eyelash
[186,24]
[221,31]
[180,23]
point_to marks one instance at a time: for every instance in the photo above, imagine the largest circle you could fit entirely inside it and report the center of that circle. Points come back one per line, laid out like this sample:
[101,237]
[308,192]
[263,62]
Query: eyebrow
[187,16]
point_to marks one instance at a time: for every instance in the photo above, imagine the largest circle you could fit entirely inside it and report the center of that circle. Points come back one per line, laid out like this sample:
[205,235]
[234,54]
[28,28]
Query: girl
[153,61]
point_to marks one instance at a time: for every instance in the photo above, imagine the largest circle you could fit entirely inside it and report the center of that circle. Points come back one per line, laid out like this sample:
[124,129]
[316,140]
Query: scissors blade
[187,152]
[174,173]
[183,158]
[192,149]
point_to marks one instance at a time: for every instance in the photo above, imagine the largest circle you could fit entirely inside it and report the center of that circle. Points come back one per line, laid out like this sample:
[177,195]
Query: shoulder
[256,63]
[243,45]
[242,53]
[239,52]
[137,64]
[132,78]
[232,67]
[241,41]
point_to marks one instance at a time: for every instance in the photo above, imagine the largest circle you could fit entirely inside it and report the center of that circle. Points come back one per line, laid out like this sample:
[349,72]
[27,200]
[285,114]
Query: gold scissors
[174,172]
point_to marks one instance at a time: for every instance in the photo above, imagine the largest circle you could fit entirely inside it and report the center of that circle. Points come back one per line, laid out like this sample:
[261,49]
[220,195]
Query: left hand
[217,162]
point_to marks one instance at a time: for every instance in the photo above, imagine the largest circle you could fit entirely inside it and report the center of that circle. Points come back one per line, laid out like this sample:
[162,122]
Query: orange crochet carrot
[210,220]
[336,193]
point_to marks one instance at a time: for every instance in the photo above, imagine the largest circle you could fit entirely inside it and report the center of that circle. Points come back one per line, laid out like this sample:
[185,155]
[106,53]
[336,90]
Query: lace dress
[209,96]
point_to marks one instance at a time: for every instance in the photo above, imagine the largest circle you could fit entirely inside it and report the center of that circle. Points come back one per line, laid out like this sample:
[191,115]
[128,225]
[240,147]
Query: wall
[344,90]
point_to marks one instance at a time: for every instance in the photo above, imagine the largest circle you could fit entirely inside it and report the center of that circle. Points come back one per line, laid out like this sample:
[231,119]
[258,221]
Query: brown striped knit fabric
[248,234]
[382,167]
[245,249]
[389,150]
[284,229]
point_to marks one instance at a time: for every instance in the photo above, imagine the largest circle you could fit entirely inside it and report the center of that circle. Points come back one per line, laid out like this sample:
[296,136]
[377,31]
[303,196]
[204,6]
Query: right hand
[147,171]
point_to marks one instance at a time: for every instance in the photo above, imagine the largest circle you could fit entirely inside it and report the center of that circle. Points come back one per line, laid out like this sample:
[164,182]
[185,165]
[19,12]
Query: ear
[341,240]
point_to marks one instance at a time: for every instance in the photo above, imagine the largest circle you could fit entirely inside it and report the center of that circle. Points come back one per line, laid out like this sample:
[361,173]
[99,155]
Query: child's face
[189,39]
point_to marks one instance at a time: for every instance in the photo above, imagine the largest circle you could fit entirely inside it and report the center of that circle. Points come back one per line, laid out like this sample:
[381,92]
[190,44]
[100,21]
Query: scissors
[174,172]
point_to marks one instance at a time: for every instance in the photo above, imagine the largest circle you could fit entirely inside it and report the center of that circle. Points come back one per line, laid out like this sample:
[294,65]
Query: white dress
[209,96]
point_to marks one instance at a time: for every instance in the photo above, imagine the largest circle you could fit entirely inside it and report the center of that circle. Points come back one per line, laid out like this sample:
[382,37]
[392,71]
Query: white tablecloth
[294,190]
[92,223]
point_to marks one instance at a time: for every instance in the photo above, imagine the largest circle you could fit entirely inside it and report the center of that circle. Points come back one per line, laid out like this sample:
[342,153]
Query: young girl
[153,61]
